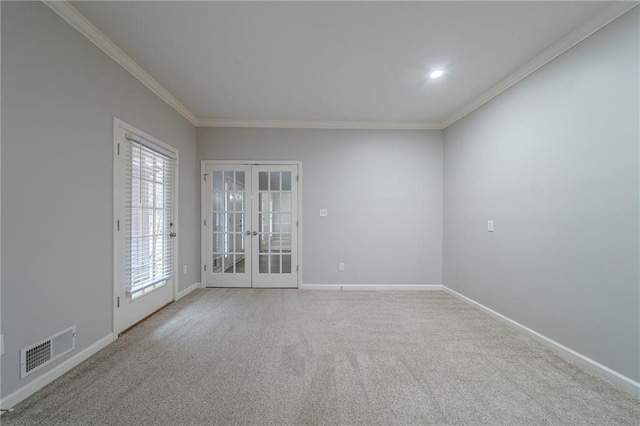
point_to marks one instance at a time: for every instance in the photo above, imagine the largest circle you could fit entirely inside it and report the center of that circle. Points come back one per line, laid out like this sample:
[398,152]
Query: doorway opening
[146,223]
[250,224]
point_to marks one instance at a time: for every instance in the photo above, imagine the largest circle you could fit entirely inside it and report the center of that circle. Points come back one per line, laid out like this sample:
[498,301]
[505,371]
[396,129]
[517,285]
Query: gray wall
[554,161]
[59,96]
[383,190]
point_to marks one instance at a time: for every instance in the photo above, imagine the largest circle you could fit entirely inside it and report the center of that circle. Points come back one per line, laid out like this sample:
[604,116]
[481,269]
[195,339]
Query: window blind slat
[148,216]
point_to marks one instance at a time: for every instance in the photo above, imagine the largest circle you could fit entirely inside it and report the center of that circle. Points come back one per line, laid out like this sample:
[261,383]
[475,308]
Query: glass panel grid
[228,222]
[274,208]
[275,222]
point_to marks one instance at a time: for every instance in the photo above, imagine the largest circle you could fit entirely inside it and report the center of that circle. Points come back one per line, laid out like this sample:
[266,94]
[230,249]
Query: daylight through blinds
[149,222]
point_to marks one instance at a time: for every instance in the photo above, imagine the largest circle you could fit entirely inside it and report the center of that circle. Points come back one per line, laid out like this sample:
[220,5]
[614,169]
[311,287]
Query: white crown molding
[67,12]
[558,48]
[319,124]
[87,29]
[74,18]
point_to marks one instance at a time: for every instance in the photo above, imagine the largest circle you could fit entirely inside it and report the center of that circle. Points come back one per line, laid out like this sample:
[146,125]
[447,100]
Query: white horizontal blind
[148,216]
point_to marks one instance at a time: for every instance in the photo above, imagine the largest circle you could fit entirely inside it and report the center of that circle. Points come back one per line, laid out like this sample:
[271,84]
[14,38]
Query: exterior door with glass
[145,227]
[250,225]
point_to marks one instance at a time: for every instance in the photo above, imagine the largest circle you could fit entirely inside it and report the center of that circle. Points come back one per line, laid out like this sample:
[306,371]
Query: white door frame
[203,213]
[118,208]
[236,279]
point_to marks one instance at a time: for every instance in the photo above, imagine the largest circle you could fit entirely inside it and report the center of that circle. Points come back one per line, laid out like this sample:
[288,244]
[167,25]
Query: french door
[250,225]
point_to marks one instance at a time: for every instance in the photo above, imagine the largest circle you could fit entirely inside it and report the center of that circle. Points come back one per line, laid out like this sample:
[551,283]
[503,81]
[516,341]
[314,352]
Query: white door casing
[250,224]
[226,209]
[128,309]
[275,219]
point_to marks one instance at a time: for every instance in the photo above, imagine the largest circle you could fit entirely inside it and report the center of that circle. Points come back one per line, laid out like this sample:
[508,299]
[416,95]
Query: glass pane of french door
[227,208]
[250,226]
[274,253]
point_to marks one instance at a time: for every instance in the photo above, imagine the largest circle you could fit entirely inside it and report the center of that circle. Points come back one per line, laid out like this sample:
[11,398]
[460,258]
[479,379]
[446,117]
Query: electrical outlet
[341,267]
[185,270]
[324,212]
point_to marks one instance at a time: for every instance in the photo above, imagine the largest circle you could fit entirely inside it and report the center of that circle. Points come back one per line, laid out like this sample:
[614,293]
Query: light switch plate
[490,226]
[324,212]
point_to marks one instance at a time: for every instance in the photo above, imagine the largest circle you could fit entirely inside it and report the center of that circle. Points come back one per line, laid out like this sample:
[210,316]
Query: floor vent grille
[40,354]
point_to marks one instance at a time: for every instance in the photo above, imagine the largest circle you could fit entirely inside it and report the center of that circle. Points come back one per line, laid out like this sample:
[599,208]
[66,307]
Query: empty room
[320,212]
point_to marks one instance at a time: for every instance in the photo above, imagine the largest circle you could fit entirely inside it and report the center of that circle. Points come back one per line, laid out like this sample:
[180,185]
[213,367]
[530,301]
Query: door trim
[203,215]
[118,206]
[234,280]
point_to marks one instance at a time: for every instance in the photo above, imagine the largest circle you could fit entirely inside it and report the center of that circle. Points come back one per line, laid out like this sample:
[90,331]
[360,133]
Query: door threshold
[144,319]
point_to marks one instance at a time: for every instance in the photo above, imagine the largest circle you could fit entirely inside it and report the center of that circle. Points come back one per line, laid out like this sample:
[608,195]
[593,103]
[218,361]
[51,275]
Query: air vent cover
[40,354]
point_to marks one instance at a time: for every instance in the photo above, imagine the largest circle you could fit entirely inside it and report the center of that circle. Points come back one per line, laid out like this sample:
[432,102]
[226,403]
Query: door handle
[255,232]
[248,233]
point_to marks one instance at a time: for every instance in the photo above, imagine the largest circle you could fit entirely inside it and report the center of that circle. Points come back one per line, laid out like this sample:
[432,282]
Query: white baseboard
[372,287]
[603,371]
[188,290]
[42,381]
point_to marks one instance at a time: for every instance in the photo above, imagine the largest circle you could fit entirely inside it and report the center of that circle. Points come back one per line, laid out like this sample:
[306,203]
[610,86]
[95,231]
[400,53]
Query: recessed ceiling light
[436,74]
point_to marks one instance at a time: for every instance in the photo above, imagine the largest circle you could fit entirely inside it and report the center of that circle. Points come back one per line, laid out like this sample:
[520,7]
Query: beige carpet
[234,356]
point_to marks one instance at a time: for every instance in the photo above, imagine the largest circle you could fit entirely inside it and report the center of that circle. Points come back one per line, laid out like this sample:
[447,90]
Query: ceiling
[347,62]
